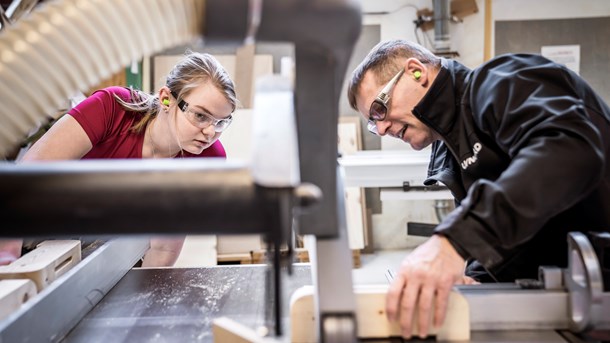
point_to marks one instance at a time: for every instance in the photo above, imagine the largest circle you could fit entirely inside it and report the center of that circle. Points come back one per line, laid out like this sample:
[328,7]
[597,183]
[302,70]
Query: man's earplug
[417,74]
[165,102]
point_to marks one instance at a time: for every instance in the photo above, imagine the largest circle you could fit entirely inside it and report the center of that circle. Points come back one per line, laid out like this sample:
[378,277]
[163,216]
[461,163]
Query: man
[522,143]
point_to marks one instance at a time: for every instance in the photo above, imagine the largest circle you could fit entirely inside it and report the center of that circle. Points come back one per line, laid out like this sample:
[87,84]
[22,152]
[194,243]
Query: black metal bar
[130,197]
[420,229]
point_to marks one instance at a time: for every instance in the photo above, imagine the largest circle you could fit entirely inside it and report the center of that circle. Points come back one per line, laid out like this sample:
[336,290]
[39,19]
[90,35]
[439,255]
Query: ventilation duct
[442,16]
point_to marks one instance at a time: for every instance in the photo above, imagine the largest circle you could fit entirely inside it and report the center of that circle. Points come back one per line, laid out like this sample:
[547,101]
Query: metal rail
[52,313]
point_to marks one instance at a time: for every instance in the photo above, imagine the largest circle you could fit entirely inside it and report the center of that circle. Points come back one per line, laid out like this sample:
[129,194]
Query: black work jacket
[525,150]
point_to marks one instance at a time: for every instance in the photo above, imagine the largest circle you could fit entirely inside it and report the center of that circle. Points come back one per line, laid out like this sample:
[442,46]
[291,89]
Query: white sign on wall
[568,55]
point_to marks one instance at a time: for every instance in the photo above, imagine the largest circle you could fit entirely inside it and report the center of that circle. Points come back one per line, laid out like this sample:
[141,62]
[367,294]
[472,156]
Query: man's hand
[425,276]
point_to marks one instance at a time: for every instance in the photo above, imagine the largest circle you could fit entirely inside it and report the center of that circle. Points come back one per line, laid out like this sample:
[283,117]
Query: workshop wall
[586,30]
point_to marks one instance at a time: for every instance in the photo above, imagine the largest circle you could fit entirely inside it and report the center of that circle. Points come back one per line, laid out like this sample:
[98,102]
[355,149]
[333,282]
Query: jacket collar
[439,107]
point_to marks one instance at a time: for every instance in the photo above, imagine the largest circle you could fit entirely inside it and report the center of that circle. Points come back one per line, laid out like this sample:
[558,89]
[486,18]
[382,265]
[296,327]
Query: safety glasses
[200,119]
[379,107]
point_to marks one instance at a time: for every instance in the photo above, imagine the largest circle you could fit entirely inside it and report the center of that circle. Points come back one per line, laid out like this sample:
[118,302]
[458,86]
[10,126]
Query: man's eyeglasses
[202,120]
[379,107]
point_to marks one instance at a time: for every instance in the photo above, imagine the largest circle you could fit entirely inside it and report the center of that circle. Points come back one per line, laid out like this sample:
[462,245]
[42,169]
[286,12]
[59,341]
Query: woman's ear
[164,93]
[165,97]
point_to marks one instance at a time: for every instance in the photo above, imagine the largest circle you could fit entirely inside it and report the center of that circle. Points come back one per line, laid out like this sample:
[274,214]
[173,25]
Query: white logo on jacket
[473,159]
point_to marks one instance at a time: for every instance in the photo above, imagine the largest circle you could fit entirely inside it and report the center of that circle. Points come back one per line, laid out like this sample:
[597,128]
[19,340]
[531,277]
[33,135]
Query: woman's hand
[10,250]
[163,252]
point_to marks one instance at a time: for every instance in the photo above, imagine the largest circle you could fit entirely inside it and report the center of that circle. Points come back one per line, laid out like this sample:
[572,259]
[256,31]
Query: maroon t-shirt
[108,126]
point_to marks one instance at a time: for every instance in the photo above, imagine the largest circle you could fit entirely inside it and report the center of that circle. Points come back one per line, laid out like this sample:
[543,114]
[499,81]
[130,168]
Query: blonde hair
[383,61]
[192,71]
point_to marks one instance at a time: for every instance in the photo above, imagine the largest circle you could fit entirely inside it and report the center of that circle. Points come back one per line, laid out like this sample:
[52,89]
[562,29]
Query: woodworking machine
[294,183]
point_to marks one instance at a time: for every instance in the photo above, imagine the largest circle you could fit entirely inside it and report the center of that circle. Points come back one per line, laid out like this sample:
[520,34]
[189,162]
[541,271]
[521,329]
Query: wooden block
[356,258]
[226,330]
[244,74]
[458,8]
[463,8]
[197,251]
[258,257]
[371,316]
[237,244]
[349,143]
[14,293]
[234,258]
[45,264]
[355,211]
[302,256]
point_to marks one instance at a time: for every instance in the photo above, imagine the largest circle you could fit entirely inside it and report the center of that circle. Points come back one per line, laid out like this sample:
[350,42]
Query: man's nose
[383,126]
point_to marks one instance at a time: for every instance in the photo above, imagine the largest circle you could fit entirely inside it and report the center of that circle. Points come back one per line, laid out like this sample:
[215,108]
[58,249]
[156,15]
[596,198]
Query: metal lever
[584,283]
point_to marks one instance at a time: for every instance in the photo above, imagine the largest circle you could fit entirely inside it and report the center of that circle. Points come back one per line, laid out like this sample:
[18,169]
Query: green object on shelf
[133,75]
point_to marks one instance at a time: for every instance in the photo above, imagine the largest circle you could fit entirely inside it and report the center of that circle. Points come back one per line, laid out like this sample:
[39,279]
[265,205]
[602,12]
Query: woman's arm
[163,252]
[65,140]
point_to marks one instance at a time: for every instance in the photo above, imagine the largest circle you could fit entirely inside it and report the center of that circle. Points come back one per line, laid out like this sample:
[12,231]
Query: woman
[184,119]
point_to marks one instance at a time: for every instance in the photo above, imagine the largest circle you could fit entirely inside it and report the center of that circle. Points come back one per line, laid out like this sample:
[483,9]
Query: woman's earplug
[417,74]
[165,102]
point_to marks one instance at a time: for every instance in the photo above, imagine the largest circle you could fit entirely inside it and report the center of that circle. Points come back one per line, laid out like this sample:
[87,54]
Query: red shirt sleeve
[96,113]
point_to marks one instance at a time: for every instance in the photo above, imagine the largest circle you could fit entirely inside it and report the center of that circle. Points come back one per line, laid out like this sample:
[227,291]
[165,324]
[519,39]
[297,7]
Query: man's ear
[415,69]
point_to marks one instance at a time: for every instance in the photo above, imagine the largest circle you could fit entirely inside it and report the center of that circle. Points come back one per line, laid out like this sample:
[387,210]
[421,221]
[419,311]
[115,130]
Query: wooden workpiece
[226,330]
[371,319]
[371,316]
[13,294]
[45,264]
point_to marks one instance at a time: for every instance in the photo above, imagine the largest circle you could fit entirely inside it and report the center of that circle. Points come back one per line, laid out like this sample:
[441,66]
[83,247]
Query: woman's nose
[209,130]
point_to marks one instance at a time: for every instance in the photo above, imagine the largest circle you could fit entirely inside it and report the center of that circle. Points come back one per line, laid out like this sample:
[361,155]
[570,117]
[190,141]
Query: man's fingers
[393,298]
[440,306]
[424,305]
[407,305]
[424,280]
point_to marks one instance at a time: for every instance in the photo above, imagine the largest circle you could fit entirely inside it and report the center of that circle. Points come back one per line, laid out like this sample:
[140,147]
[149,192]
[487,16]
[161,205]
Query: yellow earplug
[165,102]
[417,74]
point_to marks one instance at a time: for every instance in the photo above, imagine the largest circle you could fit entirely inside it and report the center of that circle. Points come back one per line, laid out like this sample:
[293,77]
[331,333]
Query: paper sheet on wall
[568,55]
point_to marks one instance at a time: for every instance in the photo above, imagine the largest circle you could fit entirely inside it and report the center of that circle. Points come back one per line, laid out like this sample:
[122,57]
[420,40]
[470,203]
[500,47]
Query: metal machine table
[178,305]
